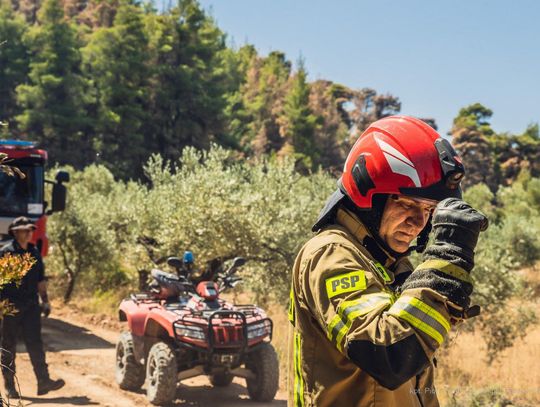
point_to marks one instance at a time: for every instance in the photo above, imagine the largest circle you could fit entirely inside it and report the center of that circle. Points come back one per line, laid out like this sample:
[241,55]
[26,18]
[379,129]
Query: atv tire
[161,373]
[129,373]
[264,364]
[221,379]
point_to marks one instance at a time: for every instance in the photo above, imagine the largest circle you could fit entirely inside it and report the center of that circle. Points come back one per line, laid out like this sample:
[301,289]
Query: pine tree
[53,101]
[96,13]
[29,9]
[264,92]
[470,133]
[116,60]
[13,61]
[331,136]
[188,81]
[237,117]
[369,107]
[298,123]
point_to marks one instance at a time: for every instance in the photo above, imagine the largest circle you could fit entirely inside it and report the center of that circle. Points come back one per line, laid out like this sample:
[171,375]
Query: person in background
[26,318]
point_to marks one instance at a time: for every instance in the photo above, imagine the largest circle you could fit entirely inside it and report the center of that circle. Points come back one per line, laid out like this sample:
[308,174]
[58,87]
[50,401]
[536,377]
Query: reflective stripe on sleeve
[336,331]
[447,268]
[421,316]
[349,310]
[298,380]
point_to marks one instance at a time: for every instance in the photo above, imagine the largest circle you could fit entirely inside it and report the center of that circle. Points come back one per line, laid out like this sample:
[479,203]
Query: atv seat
[166,286]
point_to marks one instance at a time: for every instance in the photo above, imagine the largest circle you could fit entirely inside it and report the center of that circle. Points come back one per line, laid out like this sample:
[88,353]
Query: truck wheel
[129,373]
[264,364]
[221,379]
[161,372]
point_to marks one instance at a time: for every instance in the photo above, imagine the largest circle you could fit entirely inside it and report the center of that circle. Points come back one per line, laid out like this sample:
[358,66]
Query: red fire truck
[26,197]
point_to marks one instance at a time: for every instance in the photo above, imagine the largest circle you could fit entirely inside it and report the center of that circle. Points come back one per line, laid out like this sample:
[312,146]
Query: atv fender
[134,315]
[159,324]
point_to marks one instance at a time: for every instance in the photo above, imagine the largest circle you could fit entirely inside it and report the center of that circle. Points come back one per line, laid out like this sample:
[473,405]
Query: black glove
[456,226]
[449,260]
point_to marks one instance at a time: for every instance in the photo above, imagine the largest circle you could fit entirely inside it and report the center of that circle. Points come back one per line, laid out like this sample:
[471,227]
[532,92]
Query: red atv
[182,329]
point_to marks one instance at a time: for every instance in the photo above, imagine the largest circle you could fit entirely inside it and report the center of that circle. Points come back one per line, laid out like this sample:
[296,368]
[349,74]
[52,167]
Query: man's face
[403,219]
[23,236]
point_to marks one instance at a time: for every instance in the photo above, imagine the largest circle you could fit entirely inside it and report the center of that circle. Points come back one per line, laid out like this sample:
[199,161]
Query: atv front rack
[229,315]
[216,336]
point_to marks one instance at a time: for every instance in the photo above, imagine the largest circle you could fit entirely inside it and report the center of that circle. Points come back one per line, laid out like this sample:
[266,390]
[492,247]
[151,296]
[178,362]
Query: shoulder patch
[345,283]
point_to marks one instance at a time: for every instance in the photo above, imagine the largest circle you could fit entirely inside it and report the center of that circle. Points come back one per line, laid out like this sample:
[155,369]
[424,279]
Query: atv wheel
[221,379]
[129,373]
[264,364]
[161,372]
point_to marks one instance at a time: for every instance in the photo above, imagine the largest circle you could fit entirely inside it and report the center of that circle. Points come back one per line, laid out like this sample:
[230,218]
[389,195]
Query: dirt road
[83,354]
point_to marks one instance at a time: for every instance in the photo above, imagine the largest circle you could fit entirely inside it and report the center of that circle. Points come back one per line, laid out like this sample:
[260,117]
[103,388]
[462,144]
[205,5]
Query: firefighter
[26,318]
[364,325]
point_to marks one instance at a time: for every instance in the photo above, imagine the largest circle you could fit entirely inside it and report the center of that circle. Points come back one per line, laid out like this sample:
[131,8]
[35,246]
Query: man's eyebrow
[417,202]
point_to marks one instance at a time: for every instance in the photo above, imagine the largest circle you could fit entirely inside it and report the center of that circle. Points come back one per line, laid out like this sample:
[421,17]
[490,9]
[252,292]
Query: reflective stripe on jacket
[353,340]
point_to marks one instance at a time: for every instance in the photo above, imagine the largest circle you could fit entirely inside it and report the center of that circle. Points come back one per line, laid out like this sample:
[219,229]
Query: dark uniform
[26,319]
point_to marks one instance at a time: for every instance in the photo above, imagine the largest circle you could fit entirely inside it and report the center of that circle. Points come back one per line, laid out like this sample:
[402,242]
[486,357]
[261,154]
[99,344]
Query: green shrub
[511,242]
[208,203]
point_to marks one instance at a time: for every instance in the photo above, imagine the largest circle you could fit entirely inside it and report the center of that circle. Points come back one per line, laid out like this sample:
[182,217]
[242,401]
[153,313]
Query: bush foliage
[511,243]
[207,202]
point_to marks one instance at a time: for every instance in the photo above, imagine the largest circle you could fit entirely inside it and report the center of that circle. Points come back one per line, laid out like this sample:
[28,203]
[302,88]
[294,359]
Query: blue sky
[436,56]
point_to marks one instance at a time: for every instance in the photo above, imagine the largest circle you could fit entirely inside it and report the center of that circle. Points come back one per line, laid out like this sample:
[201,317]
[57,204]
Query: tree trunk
[70,285]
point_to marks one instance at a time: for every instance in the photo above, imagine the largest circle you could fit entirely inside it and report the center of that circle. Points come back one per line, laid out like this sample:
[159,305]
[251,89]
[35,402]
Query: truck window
[22,196]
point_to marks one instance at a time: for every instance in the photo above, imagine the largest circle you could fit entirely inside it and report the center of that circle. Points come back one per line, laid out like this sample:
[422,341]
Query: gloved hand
[456,227]
[450,258]
[45,309]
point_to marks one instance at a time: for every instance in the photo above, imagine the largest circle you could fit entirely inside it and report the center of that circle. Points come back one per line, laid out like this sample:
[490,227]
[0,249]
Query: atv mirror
[59,193]
[175,262]
[62,176]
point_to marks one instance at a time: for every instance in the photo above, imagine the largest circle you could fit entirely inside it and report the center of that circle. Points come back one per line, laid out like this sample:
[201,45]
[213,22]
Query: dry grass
[463,369]
[280,340]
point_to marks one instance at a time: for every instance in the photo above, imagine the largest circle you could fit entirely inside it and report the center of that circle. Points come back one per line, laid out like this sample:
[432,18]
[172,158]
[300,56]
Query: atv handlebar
[225,279]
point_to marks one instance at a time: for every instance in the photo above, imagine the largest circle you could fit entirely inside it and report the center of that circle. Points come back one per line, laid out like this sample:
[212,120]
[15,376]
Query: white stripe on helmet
[399,164]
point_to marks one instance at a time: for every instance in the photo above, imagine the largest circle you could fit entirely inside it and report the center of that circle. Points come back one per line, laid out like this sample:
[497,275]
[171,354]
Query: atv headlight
[259,329]
[189,331]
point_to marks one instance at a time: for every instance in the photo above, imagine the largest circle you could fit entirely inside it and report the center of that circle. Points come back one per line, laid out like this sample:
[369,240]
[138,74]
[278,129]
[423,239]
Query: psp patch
[345,283]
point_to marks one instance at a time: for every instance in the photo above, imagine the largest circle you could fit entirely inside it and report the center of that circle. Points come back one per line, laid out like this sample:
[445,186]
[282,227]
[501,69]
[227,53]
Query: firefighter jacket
[354,339]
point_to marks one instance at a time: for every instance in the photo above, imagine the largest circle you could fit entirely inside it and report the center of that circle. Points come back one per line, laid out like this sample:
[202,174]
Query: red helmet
[401,155]
[397,155]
